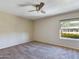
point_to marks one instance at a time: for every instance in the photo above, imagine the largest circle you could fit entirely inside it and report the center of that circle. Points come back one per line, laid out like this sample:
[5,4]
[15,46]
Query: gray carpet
[35,50]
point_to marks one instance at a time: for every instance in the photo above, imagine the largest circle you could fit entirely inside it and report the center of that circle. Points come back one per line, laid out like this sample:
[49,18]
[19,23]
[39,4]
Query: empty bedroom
[39,29]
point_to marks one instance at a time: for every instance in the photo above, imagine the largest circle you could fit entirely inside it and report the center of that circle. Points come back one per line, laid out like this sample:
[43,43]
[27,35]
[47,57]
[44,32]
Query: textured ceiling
[52,7]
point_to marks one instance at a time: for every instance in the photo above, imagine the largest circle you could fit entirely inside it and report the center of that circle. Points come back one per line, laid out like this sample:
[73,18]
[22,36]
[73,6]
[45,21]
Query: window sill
[68,39]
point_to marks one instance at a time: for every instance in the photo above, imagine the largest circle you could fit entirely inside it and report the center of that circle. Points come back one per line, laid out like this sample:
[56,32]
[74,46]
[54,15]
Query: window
[69,29]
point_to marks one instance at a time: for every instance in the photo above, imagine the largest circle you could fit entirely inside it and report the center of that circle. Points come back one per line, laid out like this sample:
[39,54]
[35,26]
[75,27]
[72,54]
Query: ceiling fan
[38,7]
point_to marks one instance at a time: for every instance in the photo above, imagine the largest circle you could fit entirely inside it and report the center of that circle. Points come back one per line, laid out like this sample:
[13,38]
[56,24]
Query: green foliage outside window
[68,35]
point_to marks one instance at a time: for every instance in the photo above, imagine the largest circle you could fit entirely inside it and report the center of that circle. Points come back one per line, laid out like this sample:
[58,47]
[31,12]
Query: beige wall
[47,30]
[14,30]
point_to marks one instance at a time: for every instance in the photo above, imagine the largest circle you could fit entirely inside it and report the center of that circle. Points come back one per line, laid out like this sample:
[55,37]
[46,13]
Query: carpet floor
[35,50]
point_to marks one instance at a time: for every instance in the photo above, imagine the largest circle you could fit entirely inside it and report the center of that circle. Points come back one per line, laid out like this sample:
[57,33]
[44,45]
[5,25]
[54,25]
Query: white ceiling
[52,7]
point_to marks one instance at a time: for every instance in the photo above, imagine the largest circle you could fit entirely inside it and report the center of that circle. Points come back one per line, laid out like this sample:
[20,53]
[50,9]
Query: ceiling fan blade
[27,4]
[43,11]
[31,10]
[23,5]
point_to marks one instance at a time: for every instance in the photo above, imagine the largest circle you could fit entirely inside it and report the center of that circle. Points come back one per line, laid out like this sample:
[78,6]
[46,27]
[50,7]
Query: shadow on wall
[11,39]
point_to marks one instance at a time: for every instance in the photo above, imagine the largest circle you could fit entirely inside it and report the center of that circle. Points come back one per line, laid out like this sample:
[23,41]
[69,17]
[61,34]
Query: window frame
[69,19]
